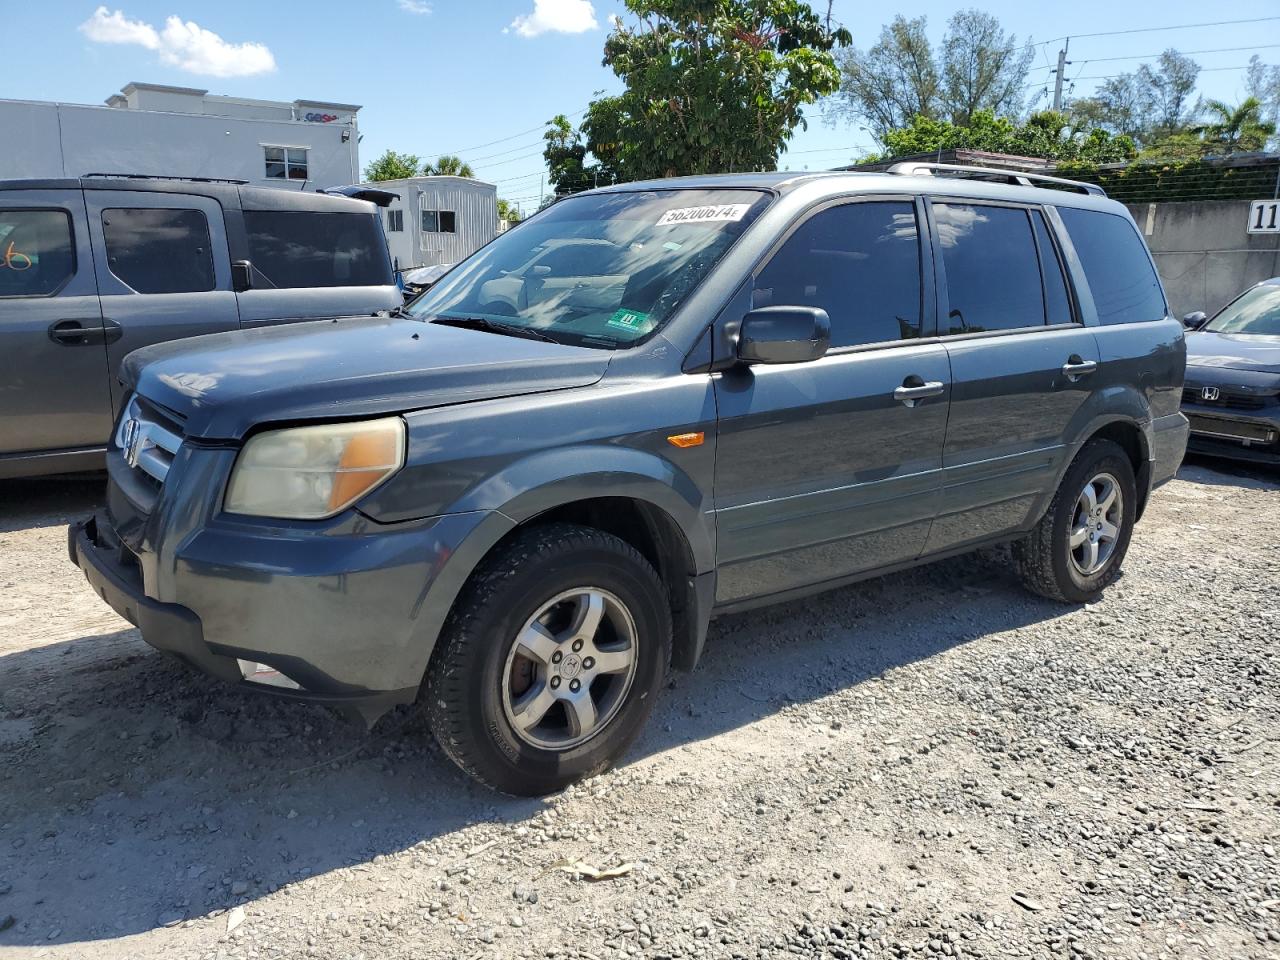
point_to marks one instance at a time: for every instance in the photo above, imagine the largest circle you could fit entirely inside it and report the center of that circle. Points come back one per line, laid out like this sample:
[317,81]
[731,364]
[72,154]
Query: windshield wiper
[400,311]
[495,326]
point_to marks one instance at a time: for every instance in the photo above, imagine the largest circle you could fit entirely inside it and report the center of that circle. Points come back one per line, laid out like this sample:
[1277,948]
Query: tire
[484,691]
[1046,559]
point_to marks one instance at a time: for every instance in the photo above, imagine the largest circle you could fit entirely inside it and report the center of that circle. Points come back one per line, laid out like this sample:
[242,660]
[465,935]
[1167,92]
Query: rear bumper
[115,576]
[1168,446]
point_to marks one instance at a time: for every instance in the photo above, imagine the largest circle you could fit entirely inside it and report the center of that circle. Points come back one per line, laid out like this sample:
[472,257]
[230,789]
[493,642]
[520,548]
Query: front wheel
[550,661]
[1078,546]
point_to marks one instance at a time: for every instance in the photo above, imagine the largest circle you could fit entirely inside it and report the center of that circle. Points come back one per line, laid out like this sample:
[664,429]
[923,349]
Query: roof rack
[156,176]
[914,168]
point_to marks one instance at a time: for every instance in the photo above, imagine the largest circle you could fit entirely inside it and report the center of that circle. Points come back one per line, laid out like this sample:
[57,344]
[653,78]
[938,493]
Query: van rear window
[298,249]
[1123,282]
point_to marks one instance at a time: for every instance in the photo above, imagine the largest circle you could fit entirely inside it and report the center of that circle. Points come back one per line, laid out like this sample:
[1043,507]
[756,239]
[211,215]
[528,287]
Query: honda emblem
[1209,393]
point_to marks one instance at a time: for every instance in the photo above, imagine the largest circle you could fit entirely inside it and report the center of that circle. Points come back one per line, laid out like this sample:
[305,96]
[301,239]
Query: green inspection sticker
[628,320]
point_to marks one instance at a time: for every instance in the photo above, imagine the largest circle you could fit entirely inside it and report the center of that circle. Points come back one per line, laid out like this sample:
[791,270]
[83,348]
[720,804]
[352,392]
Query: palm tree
[450,166]
[1235,129]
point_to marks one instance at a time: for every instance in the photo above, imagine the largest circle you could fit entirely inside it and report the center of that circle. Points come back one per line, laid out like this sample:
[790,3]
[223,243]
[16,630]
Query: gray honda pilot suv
[520,500]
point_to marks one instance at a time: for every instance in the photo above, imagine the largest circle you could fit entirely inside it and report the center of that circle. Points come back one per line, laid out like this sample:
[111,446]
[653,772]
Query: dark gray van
[522,499]
[94,268]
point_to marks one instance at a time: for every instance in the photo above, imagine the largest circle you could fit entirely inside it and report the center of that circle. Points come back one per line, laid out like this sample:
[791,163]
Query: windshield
[601,270]
[1257,312]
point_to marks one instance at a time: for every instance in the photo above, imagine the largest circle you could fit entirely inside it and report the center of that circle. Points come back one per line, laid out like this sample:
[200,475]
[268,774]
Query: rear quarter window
[293,248]
[1116,264]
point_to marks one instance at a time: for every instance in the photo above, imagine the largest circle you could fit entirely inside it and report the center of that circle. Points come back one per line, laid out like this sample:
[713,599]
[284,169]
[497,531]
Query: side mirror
[241,275]
[1194,321]
[784,335]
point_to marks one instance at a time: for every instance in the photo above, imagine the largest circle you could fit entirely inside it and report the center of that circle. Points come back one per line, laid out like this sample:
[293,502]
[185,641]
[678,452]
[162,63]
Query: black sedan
[1232,389]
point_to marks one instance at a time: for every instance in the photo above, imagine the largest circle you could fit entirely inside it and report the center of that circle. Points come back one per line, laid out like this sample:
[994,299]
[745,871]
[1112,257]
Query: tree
[978,67]
[449,166]
[1263,83]
[1148,104]
[1239,129]
[393,166]
[983,68]
[508,211]
[894,81]
[565,154]
[1169,88]
[711,86]
[1046,134]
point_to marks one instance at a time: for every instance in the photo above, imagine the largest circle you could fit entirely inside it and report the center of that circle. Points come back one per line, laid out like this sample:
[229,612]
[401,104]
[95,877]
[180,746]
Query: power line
[522,133]
[1185,53]
[1176,26]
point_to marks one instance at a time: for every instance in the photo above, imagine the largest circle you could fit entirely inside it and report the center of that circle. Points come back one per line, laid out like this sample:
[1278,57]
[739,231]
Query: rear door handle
[910,392]
[73,333]
[1075,368]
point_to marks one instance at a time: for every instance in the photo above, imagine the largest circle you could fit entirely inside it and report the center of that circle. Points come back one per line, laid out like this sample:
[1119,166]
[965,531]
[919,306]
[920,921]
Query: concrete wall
[69,140]
[1204,256]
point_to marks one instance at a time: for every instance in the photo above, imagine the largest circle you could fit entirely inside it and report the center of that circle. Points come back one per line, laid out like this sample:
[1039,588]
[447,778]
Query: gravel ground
[930,764]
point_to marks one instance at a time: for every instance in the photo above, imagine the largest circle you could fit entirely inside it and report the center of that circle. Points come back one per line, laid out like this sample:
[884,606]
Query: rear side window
[993,273]
[157,250]
[293,248]
[1123,282]
[859,262]
[36,253]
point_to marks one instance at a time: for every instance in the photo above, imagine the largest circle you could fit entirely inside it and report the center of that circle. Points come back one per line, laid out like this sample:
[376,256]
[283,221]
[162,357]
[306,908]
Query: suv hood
[1233,352]
[224,384]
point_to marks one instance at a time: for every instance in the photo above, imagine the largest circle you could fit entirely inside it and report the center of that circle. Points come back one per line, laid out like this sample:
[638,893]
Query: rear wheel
[551,660]
[1077,548]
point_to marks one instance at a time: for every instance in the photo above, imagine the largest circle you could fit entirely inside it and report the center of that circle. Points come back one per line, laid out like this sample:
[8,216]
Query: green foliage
[566,155]
[1046,134]
[1148,104]
[449,166]
[508,211]
[393,166]
[1238,129]
[978,67]
[711,86]
[1173,182]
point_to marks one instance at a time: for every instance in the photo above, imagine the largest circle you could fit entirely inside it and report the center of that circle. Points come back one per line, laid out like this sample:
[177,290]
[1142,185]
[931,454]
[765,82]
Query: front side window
[159,250]
[1123,283]
[1256,313]
[600,270]
[992,270]
[36,252]
[290,248]
[286,163]
[859,262]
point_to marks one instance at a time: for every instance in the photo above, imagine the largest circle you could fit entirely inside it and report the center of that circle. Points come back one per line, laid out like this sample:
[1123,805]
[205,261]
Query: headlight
[308,473]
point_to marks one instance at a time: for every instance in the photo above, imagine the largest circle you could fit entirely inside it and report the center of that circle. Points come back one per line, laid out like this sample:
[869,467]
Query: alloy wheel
[1095,524]
[569,668]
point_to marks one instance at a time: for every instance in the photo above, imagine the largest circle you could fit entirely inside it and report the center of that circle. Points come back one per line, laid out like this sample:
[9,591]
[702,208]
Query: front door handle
[73,333]
[1075,368]
[914,388]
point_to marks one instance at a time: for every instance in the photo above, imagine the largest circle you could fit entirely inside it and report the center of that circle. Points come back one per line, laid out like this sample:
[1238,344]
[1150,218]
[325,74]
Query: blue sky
[452,76]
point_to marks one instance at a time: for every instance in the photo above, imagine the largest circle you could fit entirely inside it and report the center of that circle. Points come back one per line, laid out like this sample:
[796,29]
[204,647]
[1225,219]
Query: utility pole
[1062,68]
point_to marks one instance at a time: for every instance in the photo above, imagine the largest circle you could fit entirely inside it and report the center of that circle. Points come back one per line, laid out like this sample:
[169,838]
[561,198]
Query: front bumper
[348,610]
[1237,435]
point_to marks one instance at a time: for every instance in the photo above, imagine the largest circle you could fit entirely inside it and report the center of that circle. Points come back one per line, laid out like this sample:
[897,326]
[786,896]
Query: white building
[438,220]
[179,131]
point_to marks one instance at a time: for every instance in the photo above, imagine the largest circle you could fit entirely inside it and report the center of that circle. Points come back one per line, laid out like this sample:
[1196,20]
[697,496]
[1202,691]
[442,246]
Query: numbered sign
[1264,216]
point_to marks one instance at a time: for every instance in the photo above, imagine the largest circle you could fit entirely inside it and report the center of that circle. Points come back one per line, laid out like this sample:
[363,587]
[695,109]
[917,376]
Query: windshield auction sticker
[718,213]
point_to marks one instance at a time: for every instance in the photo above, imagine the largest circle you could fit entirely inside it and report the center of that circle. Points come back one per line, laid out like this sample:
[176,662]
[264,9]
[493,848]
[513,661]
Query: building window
[395,221]
[439,221]
[286,163]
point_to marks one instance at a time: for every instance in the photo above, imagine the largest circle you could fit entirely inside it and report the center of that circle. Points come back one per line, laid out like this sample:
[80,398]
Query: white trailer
[438,220]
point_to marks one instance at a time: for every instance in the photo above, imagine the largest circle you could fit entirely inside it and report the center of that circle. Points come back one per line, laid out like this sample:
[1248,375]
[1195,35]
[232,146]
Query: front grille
[1227,399]
[1247,433]
[148,439]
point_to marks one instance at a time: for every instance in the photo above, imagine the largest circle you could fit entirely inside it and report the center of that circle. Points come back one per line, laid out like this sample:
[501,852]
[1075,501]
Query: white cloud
[182,44]
[556,16]
[415,6]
